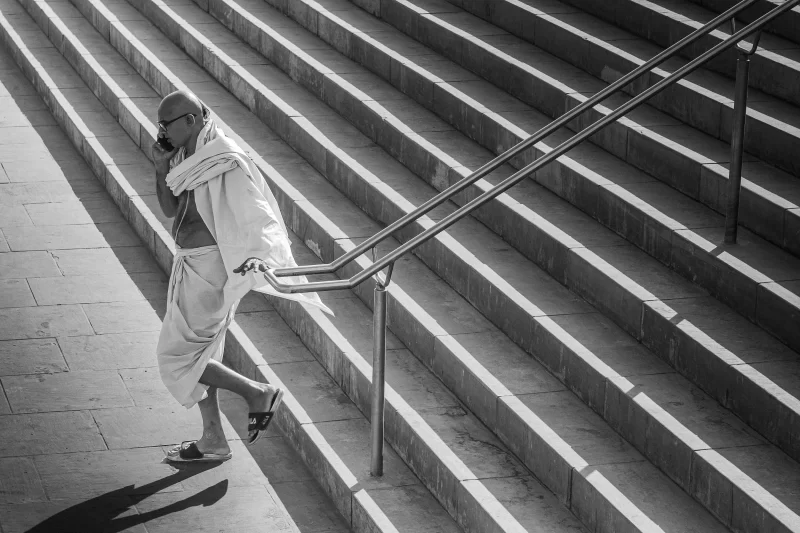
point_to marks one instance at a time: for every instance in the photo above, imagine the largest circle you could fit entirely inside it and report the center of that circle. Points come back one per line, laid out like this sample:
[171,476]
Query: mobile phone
[164,143]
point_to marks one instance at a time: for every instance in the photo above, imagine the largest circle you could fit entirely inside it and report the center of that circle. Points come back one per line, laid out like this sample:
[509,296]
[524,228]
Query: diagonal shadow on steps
[103,514]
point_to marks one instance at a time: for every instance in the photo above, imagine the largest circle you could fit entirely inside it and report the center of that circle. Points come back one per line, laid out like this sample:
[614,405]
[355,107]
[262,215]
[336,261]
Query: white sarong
[242,215]
[195,323]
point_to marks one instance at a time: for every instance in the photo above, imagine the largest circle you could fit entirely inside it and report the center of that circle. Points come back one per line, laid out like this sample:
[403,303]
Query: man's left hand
[251,263]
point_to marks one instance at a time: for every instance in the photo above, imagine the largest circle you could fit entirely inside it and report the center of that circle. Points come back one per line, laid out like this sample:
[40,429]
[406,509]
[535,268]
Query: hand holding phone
[164,143]
[162,151]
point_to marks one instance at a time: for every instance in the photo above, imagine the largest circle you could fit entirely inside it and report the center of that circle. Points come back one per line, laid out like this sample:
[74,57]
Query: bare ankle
[257,391]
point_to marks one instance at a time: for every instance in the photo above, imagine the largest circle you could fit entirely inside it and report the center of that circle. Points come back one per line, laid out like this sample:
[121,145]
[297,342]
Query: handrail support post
[378,371]
[737,137]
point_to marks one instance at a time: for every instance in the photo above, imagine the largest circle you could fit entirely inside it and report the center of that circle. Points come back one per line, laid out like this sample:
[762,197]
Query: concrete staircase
[583,354]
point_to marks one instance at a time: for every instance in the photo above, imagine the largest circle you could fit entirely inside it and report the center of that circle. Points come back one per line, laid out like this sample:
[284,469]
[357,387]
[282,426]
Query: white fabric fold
[195,322]
[239,210]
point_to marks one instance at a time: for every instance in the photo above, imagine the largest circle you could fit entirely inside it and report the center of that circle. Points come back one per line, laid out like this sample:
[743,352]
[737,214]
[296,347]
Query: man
[224,215]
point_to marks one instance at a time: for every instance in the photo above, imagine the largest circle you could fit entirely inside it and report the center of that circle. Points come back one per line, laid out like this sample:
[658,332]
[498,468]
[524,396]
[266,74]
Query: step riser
[766,73]
[306,226]
[711,114]
[369,295]
[691,174]
[329,471]
[572,269]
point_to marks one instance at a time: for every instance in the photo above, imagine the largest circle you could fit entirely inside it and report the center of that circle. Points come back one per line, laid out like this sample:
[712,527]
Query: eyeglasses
[164,124]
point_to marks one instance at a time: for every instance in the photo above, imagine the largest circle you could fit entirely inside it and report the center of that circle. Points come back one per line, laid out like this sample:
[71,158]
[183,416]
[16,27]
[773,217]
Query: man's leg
[258,395]
[213,439]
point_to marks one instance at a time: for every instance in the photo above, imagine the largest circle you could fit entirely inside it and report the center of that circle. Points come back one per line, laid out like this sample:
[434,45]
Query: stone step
[703,100]
[670,495]
[785,26]
[775,68]
[494,286]
[314,420]
[416,277]
[674,153]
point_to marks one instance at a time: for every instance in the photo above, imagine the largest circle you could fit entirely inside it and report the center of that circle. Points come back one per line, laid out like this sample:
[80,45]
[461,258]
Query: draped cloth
[242,215]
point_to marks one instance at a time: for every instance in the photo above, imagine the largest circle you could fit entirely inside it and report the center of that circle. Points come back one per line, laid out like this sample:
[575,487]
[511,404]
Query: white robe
[242,215]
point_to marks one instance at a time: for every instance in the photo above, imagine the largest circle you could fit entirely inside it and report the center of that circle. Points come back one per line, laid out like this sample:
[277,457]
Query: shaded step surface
[775,67]
[703,100]
[456,281]
[499,485]
[674,153]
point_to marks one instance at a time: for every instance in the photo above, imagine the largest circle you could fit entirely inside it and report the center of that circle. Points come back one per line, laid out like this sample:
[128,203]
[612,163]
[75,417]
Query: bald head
[178,103]
[182,116]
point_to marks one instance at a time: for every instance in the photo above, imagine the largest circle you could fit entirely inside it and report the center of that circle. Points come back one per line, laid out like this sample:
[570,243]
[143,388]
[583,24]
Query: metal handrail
[380,311]
[288,288]
[497,162]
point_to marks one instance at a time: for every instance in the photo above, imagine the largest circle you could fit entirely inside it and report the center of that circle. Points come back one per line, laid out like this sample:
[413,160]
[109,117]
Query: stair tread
[731,331]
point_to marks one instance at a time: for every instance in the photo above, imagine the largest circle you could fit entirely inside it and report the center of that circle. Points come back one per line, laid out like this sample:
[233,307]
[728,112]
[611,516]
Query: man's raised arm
[167,200]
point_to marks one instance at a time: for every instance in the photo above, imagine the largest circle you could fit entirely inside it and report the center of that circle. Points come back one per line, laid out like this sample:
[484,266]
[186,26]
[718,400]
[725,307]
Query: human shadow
[104,514]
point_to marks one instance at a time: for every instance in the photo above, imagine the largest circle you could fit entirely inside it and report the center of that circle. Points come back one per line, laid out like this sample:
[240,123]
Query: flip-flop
[187,452]
[259,422]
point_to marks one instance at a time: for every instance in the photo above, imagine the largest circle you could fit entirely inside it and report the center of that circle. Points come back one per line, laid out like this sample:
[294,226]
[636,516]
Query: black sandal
[260,421]
[187,452]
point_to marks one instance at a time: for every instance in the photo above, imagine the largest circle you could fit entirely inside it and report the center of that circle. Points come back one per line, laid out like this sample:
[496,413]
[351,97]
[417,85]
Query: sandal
[260,421]
[187,452]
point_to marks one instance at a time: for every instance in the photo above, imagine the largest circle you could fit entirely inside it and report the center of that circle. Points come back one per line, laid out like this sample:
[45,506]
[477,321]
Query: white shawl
[239,210]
